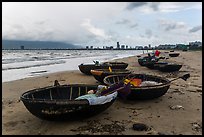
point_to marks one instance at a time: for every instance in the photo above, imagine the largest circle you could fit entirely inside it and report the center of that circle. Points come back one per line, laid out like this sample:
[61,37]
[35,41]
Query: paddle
[184,77]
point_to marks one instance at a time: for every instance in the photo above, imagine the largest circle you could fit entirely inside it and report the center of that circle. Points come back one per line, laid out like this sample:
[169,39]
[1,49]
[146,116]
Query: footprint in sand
[11,124]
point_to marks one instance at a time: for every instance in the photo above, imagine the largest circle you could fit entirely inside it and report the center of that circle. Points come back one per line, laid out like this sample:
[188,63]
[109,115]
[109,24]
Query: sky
[101,24]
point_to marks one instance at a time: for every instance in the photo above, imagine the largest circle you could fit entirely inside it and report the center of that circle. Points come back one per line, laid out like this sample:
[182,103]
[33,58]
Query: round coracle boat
[86,68]
[174,54]
[100,74]
[143,61]
[169,67]
[144,90]
[154,65]
[117,65]
[59,102]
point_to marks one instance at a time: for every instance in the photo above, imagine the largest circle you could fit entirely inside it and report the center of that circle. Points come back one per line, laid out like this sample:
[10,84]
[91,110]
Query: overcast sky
[103,23]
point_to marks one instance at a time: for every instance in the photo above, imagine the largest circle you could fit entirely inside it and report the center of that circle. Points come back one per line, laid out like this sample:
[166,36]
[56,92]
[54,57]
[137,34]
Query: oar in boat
[184,77]
[124,89]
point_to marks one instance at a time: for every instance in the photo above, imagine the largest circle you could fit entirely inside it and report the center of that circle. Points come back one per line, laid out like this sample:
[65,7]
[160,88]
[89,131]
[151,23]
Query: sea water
[18,64]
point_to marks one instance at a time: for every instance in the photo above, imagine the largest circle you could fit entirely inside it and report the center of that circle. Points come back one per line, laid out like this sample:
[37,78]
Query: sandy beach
[119,118]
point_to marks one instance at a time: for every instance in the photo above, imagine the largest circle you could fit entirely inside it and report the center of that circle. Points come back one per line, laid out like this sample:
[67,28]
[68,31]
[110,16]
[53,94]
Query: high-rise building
[118,45]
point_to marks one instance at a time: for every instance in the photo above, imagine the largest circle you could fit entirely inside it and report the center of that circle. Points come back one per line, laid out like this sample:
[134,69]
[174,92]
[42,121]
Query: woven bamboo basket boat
[58,102]
[143,61]
[143,92]
[86,68]
[174,54]
[169,67]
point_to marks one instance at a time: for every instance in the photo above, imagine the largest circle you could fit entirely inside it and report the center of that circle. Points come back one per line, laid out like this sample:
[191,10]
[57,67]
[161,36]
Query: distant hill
[16,44]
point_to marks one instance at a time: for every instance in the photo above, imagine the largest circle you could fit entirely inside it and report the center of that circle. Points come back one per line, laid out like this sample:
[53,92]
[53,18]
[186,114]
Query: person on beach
[157,53]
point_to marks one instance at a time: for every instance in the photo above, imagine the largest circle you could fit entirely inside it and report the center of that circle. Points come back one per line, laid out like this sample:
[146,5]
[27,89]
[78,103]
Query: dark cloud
[124,21]
[133,5]
[155,6]
[128,23]
[195,29]
[134,25]
[152,5]
[171,25]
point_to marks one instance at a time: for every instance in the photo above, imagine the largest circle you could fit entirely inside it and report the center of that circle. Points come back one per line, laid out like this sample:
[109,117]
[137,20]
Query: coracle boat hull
[86,68]
[145,92]
[170,67]
[57,103]
[174,54]
[145,61]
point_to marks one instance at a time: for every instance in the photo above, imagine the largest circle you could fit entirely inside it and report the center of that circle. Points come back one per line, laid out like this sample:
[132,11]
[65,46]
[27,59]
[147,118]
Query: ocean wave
[38,64]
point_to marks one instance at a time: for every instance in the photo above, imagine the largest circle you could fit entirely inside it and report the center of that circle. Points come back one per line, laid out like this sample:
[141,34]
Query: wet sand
[119,118]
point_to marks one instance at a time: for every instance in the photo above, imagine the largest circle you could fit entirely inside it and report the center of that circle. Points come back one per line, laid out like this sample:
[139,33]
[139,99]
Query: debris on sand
[140,127]
[176,107]
[196,126]
[95,127]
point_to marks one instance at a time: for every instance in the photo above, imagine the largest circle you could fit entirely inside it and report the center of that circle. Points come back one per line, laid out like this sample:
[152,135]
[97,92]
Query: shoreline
[69,63]
[154,113]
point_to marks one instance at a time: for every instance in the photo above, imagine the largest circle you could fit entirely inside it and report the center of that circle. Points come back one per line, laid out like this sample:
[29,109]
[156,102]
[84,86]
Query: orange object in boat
[135,82]
[96,72]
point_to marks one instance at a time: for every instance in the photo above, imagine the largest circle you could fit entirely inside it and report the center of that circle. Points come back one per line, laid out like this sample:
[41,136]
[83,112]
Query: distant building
[22,47]
[138,47]
[145,47]
[122,46]
[111,47]
[196,43]
[118,45]
[181,46]
[166,46]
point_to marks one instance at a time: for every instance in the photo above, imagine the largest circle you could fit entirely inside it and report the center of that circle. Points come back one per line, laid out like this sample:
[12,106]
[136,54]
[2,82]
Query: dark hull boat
[58,102]
[164,66]
[169,67]
[143,92]
[86,68]
[143,61]
[154,65]
[100,74]
[174,54]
